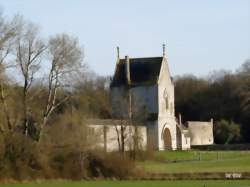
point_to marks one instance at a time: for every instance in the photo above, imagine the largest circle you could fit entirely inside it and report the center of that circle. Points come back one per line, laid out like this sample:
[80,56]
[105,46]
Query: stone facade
[148,99]
[142,93]
[142,90]
[201,133]
[110,134]
[109,138]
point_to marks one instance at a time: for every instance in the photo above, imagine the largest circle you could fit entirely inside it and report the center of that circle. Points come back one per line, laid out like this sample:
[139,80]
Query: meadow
[198,161]
[186,183]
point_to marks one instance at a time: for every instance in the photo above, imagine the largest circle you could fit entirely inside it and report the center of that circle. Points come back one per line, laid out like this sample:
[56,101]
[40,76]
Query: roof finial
[164,49]
[118,52]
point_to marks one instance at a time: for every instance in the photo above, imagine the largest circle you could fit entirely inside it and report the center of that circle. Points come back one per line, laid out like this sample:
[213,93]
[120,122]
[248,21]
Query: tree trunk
[5,107]
[123,138]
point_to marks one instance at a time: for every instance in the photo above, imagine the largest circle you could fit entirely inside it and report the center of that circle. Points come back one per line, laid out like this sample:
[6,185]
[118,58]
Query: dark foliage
[222,96]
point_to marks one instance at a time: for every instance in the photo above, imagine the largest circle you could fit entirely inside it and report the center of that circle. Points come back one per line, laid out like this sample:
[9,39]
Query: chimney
[118,52]
[180,120]
[127,64]
[212,121]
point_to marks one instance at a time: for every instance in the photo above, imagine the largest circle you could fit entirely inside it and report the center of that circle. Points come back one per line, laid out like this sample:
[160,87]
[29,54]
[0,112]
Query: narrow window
[165,96]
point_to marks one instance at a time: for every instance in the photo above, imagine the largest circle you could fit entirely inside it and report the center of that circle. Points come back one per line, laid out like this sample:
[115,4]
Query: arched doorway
[167,139]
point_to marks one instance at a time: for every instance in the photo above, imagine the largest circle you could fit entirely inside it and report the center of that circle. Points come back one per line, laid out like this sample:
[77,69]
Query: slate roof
[143,71]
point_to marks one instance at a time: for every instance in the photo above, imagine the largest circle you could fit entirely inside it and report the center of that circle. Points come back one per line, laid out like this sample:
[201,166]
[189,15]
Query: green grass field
[193,161]
[203,155]
[174,162]
[184,183]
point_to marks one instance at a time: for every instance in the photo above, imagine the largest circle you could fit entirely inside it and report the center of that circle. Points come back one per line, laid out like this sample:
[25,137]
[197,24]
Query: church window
[165,96]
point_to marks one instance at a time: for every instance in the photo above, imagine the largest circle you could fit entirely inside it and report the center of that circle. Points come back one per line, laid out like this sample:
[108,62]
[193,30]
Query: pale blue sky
[201,35]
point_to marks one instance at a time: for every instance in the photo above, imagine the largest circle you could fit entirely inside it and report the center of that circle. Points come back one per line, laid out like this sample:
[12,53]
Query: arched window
[165,96]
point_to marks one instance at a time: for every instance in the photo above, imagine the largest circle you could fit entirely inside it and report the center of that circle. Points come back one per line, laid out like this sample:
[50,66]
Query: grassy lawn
[197,155]
[210,183]
[179,162]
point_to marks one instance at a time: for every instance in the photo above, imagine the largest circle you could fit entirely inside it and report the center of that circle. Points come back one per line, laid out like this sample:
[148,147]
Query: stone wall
[201,133]
[108,138]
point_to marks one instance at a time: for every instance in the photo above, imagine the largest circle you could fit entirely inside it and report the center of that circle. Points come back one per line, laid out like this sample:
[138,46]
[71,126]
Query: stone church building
[142,95]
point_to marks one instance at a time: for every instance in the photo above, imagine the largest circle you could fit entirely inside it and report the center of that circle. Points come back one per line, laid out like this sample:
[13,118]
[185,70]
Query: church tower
[144,85]
[166,116]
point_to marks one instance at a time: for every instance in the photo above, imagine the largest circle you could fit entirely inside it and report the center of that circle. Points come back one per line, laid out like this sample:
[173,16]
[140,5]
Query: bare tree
[121,128]
[244,70]
[65,57]
[29,51]
[126,128]
[8,32]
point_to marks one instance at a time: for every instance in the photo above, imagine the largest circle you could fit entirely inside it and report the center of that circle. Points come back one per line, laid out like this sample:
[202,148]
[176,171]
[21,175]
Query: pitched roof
[143,71]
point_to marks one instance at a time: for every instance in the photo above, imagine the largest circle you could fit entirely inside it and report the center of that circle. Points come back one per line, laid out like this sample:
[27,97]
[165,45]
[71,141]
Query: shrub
[22,158]
[110,165]
[68,163]
[226,132]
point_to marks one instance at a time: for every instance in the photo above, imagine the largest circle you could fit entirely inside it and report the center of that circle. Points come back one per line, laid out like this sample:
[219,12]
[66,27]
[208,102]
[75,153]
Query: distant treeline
[223,96]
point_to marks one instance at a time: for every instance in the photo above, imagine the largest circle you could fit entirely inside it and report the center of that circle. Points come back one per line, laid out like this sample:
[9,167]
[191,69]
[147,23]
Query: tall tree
[8,32]
[65,56]
[29,51]
[244,76]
